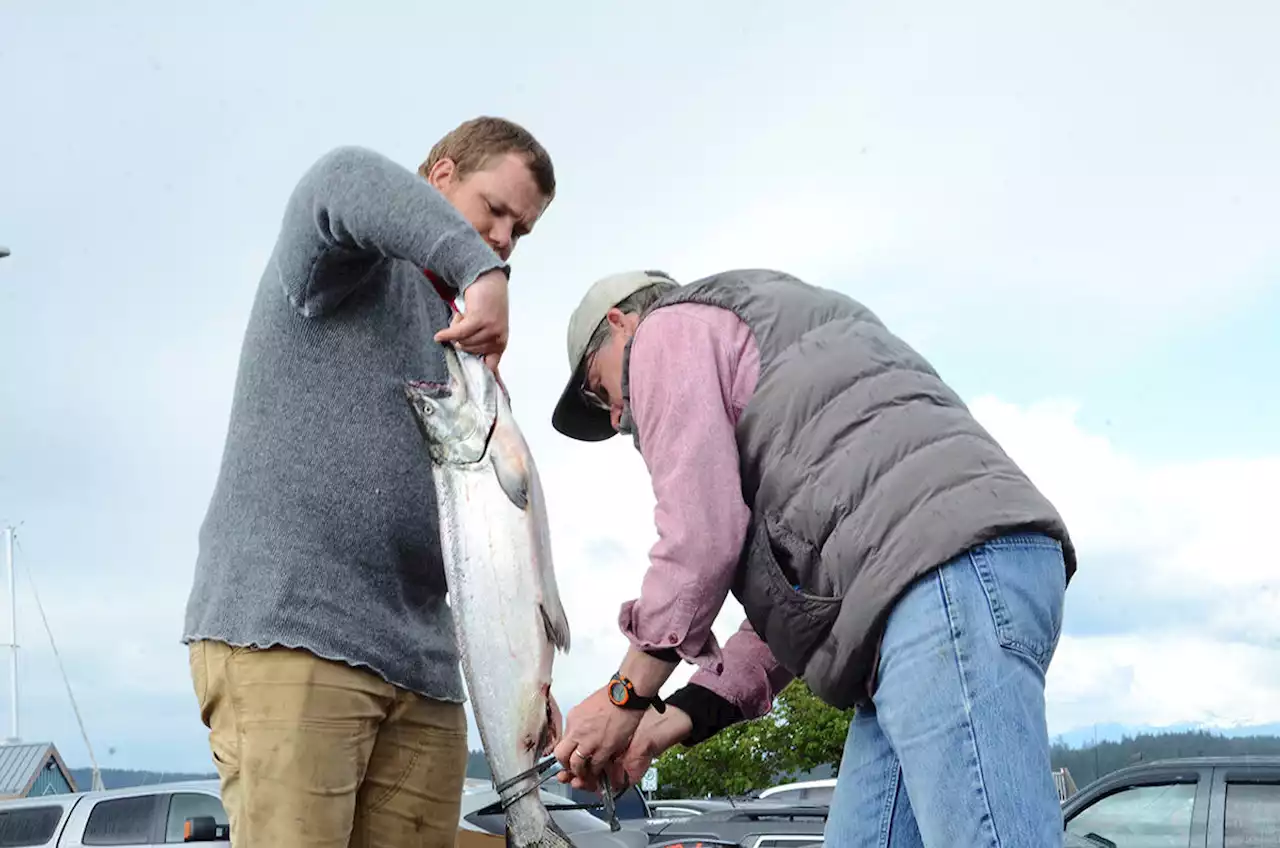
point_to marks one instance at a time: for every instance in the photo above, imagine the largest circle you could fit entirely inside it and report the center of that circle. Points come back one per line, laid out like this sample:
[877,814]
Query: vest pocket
[791,622]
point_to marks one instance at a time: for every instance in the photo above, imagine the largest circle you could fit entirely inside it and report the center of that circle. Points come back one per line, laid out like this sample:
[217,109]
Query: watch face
[618,692]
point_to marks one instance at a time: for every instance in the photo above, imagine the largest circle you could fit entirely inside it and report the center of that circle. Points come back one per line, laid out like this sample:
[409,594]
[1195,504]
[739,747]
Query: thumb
[457,328]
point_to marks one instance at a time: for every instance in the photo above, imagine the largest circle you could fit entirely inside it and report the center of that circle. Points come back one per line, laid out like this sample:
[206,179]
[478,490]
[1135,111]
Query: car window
[122,821]
[190,805]
[1139,816]
[29,826]
[630,806]
[1253,815]
[672,812]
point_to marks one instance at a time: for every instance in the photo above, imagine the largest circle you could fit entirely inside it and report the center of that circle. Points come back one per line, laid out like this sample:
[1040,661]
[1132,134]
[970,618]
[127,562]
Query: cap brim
[575,418]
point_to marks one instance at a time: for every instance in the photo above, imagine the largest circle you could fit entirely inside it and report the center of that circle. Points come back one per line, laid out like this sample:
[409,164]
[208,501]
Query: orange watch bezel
[627,687]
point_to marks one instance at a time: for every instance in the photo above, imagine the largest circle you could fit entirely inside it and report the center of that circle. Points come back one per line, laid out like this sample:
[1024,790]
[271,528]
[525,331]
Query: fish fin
[557,625]
[512,474]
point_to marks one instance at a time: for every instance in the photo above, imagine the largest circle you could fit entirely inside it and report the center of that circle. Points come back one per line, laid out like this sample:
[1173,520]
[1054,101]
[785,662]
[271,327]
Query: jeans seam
[893,776]
[955,631]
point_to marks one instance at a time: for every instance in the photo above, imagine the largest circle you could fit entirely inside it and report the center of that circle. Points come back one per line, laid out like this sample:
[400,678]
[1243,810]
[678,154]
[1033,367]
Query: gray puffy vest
[862,470]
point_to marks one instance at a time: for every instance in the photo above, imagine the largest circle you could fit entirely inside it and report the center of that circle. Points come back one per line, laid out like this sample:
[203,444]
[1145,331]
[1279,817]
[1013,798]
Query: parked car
[141,816]
[807,792]
[481,812]
[191,811]
[758,824]
[670,809]
[629,806]
[1205,802]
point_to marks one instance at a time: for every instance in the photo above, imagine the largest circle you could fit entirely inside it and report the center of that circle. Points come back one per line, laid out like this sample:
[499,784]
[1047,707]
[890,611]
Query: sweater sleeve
[354,208]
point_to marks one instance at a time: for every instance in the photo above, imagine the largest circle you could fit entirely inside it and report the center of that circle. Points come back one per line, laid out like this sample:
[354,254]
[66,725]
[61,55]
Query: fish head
[455,417]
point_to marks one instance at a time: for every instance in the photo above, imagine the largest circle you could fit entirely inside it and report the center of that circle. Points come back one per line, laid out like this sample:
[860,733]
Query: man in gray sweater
[322,650]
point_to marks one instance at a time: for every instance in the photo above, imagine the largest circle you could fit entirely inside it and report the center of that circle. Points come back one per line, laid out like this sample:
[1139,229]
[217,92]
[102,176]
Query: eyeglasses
[590,397]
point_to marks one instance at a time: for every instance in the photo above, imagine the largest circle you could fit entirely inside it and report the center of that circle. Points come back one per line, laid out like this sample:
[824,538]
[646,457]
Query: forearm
[354,203]
[646,672]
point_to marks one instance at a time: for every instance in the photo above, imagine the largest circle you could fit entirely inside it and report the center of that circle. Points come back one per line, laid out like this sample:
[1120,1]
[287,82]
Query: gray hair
[639,301]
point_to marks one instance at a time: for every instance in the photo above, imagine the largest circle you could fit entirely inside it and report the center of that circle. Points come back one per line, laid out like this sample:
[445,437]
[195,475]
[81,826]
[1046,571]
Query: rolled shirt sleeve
[692,369]
[681,386]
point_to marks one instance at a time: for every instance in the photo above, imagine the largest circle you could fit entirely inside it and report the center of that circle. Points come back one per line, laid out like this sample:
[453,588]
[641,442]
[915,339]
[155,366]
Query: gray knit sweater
[321,531]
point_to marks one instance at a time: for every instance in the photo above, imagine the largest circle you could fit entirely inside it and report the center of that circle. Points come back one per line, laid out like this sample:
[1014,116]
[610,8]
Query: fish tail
[551,837]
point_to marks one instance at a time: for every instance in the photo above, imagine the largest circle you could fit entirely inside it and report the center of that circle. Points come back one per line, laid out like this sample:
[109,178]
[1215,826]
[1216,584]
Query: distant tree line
[1090,762]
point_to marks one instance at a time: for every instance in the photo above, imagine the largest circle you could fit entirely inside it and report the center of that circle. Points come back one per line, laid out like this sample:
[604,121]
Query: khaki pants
[318,753]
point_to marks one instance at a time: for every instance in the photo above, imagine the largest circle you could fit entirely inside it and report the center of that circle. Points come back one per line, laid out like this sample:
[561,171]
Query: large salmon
[502,588]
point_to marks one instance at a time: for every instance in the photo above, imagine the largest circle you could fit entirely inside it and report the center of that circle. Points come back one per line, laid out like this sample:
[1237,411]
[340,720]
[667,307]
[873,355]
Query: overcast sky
[1070,210]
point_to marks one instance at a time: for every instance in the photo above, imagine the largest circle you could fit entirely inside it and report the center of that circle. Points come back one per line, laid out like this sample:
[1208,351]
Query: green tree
[734,761]
[806,732]
[801,733]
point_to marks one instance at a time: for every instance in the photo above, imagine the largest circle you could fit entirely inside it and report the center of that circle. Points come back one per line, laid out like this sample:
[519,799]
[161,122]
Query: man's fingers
[564,753]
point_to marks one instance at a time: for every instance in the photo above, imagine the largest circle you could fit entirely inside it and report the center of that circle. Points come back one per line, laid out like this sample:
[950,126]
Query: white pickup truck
[137,817]
[192,811]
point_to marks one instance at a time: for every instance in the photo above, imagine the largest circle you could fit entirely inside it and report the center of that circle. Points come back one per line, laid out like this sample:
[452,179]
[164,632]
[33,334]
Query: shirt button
[672,638]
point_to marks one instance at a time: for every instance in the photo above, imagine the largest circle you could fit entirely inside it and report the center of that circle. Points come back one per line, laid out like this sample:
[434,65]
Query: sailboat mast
[13,637]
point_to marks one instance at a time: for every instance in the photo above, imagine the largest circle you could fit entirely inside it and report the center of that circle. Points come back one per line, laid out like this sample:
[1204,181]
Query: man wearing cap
[882,544]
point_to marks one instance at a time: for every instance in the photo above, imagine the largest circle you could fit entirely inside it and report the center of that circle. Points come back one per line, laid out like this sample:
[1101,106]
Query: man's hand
[656,733]
[595,732]
[652,738]
[482,330]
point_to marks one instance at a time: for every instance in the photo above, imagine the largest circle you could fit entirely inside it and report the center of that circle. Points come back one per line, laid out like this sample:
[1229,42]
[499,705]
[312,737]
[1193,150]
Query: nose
[500,239]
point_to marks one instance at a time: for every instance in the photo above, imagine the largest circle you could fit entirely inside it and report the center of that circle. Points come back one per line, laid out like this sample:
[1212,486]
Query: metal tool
[609,809]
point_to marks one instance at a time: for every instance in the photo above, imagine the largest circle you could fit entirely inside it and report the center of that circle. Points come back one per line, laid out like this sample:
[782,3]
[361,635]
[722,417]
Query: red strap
[441,289]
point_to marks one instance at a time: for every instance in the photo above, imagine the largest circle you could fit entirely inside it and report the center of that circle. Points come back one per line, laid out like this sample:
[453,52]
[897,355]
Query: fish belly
[494,597]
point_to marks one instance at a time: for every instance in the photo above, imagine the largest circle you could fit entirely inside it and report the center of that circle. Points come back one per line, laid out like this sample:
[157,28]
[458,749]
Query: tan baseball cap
[573,416]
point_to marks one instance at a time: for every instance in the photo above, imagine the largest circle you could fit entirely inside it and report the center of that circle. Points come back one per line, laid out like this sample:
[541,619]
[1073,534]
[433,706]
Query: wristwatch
[622,692]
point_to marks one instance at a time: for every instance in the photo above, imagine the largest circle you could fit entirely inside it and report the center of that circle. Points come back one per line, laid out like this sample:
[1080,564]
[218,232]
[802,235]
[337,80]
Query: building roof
[20,765]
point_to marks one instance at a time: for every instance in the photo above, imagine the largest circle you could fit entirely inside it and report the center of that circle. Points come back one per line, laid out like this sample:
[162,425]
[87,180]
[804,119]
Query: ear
[442,174]
[615,317]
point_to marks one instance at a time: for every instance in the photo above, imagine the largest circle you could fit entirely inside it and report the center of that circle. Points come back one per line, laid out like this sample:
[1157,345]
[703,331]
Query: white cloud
[1174,614]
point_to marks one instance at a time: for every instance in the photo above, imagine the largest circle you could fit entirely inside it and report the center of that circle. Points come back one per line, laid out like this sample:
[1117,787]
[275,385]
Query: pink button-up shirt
[693,369]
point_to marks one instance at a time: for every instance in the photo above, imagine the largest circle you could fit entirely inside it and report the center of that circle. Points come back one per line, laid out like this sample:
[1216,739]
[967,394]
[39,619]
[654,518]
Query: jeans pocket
[1024,580]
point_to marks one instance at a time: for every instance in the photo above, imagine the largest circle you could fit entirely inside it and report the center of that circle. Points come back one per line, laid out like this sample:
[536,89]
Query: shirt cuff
[708,712]
[675,634]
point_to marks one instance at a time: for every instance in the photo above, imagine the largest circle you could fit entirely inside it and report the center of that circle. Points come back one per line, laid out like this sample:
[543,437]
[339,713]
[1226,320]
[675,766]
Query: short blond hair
[473,143]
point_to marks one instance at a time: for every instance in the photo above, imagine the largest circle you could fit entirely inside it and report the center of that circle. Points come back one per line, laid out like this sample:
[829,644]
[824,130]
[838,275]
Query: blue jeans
[953,751]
